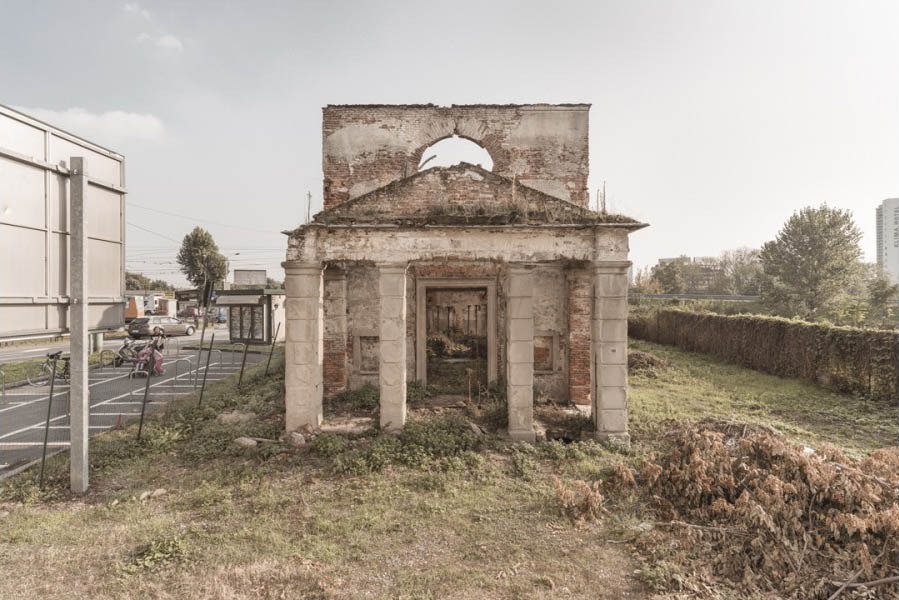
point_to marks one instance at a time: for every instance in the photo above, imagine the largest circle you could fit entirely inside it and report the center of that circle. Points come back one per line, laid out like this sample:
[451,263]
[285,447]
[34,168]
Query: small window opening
[453,150]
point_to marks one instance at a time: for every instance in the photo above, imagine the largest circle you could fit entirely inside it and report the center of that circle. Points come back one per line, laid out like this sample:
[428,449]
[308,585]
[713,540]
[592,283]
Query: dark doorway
[456,327]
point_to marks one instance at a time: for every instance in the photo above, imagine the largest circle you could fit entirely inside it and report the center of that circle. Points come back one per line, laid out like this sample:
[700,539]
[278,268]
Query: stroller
[149,358]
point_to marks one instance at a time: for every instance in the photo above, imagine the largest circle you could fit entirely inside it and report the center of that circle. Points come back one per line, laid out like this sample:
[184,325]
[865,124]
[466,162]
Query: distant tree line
[139,281]
[811,270]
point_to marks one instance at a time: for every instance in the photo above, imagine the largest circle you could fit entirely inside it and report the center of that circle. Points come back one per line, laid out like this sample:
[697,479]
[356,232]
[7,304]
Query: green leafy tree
[809,268]
[200,259]
[742,271]
[136,281]
[670,277]
[882,298]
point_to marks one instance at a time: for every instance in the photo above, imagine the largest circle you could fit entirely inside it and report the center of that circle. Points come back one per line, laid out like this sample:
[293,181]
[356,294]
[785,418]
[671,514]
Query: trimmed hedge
[844,359]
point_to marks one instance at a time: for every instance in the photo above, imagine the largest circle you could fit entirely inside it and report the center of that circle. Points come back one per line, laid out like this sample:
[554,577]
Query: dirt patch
[644,361]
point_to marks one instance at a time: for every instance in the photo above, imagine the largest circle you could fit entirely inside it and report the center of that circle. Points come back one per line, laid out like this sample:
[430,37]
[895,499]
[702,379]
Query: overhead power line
[165,237]
[196,220]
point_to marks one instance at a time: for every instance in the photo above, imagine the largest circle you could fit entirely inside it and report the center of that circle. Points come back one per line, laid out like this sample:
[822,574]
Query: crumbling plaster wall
[543,146]
[551,316]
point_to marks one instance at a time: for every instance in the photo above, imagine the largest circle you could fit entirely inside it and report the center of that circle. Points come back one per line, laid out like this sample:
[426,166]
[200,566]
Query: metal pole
[206,372]
[272,351]
[79,392]
[47,426]
[143,406]
[200,350]
[243,364]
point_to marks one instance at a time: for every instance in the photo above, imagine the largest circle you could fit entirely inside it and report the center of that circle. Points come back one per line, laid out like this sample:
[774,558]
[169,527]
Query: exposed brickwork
[542,146]
[580,304]
[334,337]
[334,367]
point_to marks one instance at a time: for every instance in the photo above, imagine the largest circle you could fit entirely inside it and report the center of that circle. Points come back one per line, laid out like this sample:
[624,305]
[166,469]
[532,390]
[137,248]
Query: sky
[713,121]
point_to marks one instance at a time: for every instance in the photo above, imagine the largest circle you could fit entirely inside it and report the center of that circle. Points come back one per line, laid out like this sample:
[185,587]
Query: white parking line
[41,424]
[35,350]
[90,385]
[29,444]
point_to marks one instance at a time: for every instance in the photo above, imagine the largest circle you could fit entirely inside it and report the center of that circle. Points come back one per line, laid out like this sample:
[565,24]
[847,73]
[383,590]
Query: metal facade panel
[34,225]
[99,166]
[59,260]
[21,194]
[104,218]
[29,318]
[59,202]
[22,264]
[21,137]
[103,271]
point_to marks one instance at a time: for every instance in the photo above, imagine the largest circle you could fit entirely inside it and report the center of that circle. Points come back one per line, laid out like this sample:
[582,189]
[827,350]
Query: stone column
[580,325]
[334,371]
[392,345]
[520,353]
[303,369]
[610,342]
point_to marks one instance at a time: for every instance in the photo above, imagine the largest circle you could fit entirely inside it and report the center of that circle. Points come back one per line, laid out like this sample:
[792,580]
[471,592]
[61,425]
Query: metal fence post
[143,406]
[47,426]
[243,364]
[272,351]
[206,371]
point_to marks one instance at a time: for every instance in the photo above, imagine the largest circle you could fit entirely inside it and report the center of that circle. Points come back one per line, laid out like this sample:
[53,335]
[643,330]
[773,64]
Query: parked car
[156,324]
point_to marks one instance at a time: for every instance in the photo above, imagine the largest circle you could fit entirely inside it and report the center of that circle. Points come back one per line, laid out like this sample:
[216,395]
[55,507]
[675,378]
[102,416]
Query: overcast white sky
[712,120]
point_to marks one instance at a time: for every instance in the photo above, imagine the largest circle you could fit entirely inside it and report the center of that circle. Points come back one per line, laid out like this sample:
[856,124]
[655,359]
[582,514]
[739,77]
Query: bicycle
[43,373]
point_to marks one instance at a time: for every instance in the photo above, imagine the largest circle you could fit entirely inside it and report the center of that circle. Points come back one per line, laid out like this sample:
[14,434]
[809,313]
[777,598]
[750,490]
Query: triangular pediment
[461,194]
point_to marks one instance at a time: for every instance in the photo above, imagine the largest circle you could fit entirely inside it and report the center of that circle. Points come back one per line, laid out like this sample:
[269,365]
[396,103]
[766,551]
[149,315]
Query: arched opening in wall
[453,150]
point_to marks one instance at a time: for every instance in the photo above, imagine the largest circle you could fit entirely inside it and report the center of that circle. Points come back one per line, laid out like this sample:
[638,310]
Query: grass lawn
[697,386]
[441,513]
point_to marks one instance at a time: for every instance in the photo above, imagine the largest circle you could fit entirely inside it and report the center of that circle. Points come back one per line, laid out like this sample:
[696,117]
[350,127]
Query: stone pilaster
[392,345]
[520,353]
[334,369]
[304,352]
[580,324]
[610,343]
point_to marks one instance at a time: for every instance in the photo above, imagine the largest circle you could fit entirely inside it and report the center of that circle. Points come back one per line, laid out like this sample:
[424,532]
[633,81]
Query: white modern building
[888,238]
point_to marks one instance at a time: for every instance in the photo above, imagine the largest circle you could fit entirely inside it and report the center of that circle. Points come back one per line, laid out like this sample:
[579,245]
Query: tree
[742,270]
[273,284]
[812,263]
[200,259]
[670,277]
[882,297]
[136,281]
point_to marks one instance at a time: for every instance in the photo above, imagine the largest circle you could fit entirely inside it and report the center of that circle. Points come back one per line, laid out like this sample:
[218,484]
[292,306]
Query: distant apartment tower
[888,239]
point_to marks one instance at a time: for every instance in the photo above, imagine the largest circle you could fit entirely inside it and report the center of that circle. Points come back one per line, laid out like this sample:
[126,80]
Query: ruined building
[509,265]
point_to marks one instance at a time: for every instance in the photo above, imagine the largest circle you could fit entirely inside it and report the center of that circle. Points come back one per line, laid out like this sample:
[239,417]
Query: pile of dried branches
[776,518]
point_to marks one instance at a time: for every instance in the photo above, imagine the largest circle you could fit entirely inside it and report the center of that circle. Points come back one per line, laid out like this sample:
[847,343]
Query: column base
[523,435]
[620,440]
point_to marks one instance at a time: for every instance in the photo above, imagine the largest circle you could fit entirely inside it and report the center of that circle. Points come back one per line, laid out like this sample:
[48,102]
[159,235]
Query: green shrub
[365,398]
[158,553]
[328,445]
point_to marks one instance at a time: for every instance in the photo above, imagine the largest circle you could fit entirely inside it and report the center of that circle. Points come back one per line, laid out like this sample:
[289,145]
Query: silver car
[155,325]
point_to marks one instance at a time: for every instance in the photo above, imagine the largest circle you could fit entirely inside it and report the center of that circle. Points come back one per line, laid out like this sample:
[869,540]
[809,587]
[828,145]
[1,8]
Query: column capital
[392,267]
[297,267]
[611,267]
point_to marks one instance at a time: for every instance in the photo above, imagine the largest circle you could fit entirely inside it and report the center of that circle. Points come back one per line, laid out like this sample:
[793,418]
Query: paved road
[38,350]
[114,398]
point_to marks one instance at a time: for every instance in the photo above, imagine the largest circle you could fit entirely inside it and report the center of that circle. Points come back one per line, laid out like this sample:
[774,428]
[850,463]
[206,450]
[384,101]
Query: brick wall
[580,304]
[367,147]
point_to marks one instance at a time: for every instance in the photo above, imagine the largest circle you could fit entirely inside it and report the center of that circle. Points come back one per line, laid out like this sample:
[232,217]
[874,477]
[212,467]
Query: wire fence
[35,422]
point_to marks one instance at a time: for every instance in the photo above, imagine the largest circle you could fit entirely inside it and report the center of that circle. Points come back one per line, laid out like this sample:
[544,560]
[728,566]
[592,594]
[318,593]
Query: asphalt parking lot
[115,398]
